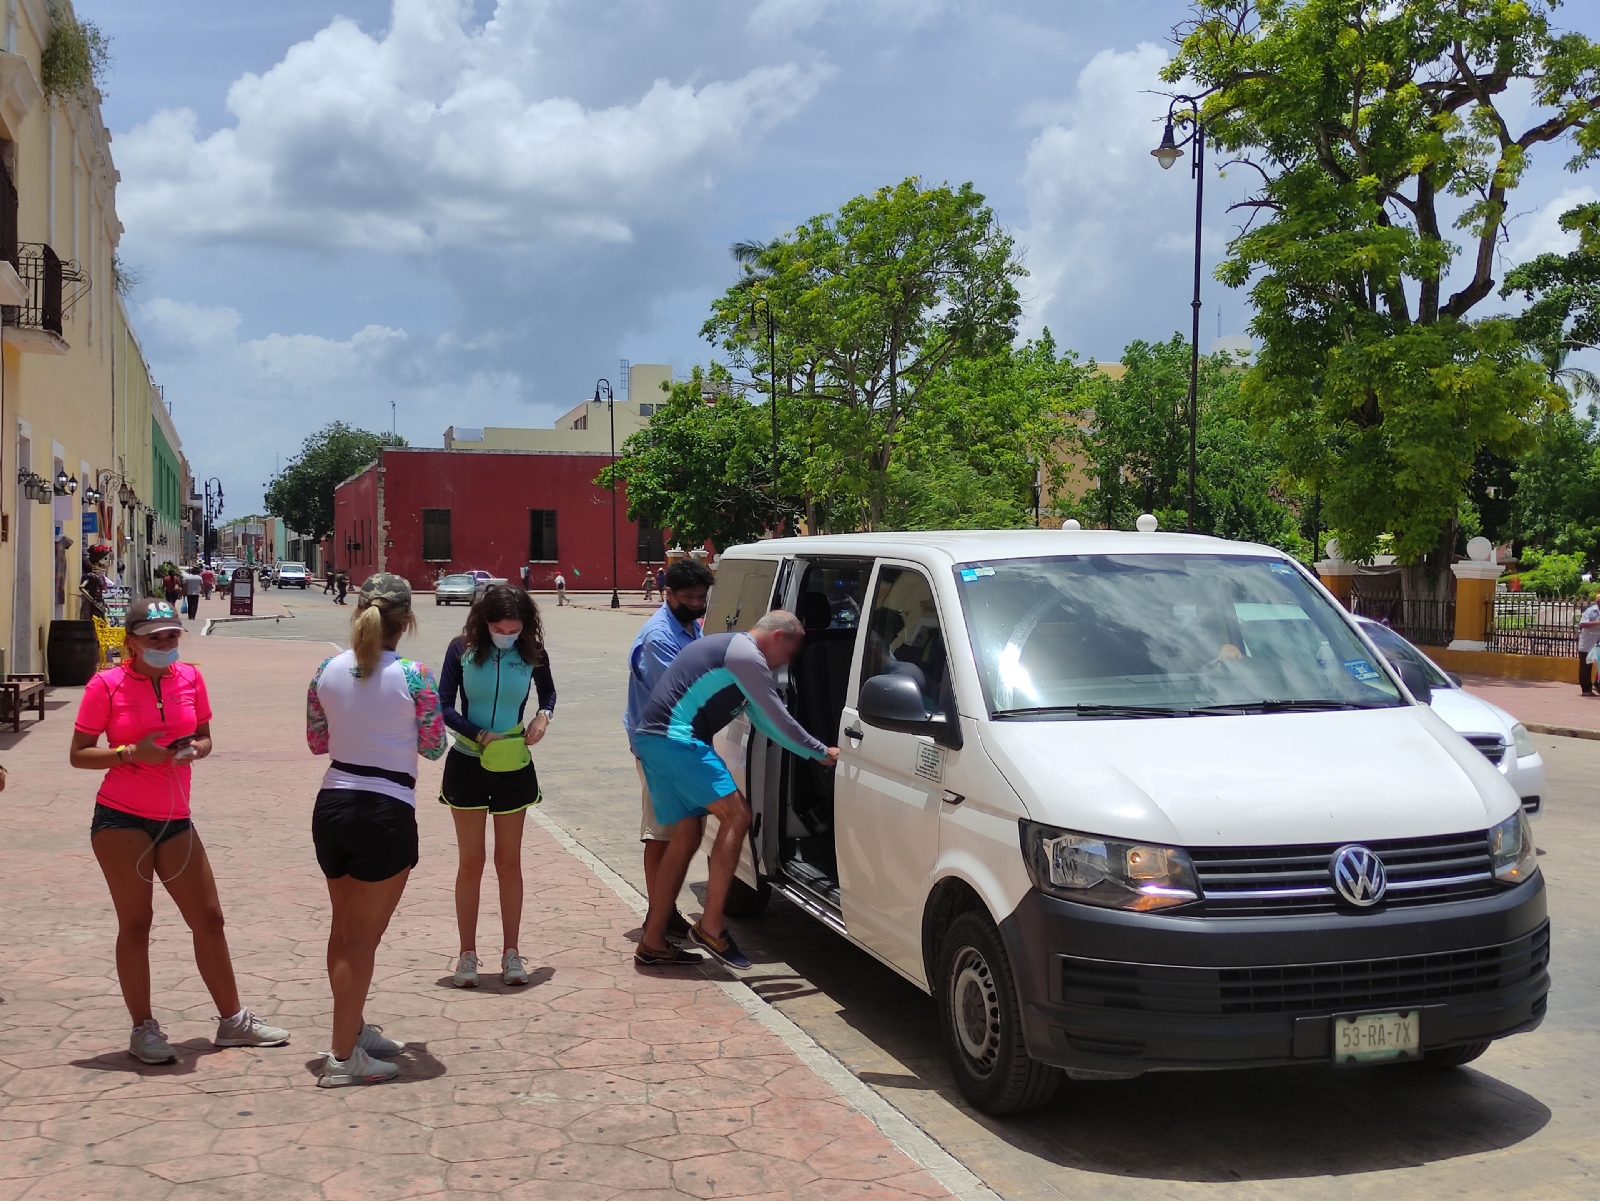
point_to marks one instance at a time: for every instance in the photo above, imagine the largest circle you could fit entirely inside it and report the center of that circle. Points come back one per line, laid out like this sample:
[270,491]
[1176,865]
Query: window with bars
[436,535]
[541,535]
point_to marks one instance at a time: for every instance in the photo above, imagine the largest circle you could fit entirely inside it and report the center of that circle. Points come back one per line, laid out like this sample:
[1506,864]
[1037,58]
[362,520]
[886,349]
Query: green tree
[1368,122]
[1564,291]
[1557,501]
[1133,437]
[303,494]
[870,306]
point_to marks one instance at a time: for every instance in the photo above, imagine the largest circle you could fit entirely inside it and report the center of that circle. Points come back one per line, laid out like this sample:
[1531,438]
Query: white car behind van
[1132,802]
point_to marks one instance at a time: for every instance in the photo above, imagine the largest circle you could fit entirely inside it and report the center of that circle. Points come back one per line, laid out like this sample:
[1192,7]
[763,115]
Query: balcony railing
[54,286]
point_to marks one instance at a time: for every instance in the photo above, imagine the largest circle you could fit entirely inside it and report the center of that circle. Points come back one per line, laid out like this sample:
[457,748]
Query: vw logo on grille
[1358,876]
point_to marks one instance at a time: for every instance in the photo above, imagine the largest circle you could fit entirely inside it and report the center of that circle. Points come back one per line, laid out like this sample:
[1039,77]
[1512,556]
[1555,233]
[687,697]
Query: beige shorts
[649,831]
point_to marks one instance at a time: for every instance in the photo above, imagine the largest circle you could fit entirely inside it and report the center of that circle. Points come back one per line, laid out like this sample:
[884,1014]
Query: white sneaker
[360,1068]
[467,971]
[247,1030]
[512,969]
[149,1045]
[374,1043]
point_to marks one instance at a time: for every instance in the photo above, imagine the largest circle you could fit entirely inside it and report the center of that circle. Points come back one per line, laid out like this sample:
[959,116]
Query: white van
[1125,802]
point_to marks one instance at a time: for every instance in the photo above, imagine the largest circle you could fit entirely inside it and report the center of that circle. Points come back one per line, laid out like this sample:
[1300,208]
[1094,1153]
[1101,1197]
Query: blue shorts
[684,777]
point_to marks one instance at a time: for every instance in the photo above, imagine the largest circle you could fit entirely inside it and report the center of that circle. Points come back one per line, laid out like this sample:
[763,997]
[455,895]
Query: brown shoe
[671,957]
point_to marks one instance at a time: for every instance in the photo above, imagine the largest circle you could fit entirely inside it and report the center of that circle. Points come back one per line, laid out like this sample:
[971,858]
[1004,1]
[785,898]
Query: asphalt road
[1522,1121]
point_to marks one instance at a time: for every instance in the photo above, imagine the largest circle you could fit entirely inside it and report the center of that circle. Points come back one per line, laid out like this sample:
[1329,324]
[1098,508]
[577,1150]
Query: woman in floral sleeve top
[372,713]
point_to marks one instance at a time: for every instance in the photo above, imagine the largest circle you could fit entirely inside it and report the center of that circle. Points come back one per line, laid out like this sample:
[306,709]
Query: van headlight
[1523,740]
[1107,871]
[1511,850]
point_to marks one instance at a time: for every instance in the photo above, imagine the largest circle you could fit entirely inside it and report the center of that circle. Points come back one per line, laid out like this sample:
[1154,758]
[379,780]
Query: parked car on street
[1130,802]
[291,575]
[458,589]
[1503,739]
[484,579]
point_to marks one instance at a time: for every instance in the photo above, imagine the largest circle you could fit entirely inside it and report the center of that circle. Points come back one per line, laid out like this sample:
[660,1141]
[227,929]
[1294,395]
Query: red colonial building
[427,513]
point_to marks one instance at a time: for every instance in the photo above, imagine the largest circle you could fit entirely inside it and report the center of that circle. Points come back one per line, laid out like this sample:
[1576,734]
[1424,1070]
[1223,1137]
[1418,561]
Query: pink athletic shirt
[125,705]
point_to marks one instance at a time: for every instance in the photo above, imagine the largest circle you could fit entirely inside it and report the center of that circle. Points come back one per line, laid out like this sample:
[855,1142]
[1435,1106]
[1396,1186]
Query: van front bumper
[1109,991]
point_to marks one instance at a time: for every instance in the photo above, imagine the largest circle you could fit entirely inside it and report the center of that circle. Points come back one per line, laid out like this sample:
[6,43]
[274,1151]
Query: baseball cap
[387,587]
[152,615]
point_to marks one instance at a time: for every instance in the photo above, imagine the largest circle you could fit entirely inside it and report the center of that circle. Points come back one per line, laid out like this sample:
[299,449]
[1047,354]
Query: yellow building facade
[78,438]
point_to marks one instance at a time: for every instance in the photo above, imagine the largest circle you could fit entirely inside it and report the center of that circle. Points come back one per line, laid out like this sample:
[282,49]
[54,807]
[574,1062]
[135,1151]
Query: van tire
[982,1023]
[744,901]
[1453,1057]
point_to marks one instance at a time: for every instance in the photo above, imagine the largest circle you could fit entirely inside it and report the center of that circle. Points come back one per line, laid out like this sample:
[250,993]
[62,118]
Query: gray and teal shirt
[712,681]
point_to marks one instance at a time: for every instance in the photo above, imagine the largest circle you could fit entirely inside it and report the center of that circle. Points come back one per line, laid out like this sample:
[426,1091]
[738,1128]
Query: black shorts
[159,828]
[467,785]
[365,835]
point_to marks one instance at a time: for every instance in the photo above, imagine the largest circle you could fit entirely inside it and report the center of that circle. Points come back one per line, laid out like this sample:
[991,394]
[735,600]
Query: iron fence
[1424,622]
[1520,623]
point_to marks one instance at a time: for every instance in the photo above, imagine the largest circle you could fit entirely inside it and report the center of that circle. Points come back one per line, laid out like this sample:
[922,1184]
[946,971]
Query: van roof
[961,546]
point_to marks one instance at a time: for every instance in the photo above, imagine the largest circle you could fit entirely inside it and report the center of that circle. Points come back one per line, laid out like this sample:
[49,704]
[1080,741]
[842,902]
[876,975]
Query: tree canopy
[1369,123]
[303,493]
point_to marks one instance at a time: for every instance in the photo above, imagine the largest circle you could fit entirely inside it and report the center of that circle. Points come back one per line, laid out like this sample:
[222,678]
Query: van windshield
[1160,636]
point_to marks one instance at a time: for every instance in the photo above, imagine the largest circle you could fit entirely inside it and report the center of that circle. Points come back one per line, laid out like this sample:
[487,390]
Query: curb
[1539,727]
[914,1142]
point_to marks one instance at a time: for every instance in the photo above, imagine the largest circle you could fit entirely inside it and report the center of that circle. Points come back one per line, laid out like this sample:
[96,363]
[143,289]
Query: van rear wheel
[982,1022]
[744,901]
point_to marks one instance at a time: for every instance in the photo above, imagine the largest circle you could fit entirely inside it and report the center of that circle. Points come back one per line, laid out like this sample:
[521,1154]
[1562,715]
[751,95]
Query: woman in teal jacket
[488,675]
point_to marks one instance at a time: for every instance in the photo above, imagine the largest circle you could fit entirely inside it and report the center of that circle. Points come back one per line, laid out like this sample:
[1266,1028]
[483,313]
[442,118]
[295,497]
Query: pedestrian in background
[208,581]
[172,587]
[671,628]
[561,589]
[192,583]
[344,588]
[649,584]
[1588,639]
[373,713]
[157,718]
[488,674]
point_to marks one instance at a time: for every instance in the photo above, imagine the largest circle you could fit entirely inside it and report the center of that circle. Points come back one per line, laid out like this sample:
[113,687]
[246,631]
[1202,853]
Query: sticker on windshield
[1282,569]
[1257,612]
[969,574]
[1361,669]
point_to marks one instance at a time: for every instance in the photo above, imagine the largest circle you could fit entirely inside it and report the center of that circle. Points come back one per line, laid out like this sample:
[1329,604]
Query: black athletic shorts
[467,785]
[365,835]
[159,828]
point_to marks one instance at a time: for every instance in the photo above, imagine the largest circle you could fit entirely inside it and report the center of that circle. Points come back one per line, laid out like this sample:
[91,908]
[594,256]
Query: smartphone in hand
[178,744]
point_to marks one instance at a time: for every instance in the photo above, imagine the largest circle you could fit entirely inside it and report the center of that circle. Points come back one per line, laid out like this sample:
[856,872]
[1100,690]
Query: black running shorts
[468,784]
[364,835]
[158,828]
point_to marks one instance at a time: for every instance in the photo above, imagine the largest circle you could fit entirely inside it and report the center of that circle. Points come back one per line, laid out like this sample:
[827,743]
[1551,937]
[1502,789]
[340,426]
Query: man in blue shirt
[670,628]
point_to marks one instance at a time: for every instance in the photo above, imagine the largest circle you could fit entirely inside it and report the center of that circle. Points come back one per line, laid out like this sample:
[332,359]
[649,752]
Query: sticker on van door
[930,762]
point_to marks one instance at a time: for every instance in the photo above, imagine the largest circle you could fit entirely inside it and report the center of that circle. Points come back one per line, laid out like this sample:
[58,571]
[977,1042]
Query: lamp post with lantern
[1168,153]
[600,386]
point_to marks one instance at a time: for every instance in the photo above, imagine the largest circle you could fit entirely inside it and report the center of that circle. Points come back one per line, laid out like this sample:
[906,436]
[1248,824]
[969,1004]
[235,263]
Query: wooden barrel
[72,652]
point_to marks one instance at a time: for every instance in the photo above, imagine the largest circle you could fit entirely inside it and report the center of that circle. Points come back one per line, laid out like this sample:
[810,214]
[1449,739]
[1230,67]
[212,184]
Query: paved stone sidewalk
[596,1081]
[1544,704]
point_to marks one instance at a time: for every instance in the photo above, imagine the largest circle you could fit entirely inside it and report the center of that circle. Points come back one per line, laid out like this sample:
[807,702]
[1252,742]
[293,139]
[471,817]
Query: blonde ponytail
[375,623]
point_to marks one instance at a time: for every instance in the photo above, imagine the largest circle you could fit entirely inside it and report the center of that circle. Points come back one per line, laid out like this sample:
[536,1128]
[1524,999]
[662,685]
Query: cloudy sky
[469,211]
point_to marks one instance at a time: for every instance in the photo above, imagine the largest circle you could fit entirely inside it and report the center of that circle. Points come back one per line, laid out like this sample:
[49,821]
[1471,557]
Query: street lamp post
[605,386]
[1169,152]
[772,374]
[213,511]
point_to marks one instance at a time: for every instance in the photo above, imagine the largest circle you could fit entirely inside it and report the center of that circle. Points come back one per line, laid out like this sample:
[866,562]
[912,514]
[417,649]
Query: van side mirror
[1416,680]
[894,702]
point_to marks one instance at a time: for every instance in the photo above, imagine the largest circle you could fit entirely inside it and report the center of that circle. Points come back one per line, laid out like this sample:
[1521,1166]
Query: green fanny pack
[508,753]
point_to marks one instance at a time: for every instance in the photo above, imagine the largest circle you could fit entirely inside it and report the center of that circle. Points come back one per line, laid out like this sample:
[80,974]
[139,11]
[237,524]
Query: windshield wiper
[1098,711]
[1302,706]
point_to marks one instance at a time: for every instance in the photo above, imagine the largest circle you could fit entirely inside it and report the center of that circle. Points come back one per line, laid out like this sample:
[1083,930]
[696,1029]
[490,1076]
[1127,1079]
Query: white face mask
[504,642]
[155,658]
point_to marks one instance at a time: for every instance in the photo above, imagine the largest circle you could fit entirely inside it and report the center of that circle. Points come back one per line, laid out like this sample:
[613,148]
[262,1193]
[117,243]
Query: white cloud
[437,134]
[1541,232]
[783,17]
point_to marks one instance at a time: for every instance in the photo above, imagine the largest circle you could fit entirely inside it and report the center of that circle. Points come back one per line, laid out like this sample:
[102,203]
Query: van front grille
[1306,988]
[1278,881]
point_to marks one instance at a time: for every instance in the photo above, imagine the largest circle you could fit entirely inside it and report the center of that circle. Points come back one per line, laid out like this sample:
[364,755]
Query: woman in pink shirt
[157,719]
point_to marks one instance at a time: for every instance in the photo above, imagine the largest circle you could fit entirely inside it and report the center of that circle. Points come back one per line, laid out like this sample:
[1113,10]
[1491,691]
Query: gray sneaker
[247,1030]
[512,969]
[467,971]
[149,1045]
[372,1041]
[360,1068]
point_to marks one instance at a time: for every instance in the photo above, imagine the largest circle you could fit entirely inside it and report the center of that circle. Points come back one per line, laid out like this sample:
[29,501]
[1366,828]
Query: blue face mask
[155,658]
[504,642]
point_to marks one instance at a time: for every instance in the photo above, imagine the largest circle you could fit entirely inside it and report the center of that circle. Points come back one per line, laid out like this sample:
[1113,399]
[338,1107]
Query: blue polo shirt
[659,641]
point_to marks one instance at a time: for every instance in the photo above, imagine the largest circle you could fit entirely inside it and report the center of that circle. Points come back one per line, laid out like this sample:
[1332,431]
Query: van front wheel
[982,1023]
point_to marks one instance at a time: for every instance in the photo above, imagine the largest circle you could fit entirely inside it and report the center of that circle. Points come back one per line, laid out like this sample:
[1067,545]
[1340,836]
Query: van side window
[903,634]
[742,593]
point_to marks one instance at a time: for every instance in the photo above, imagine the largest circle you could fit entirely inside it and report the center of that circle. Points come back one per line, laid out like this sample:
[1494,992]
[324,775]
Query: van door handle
[855,732]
